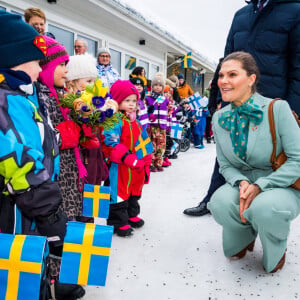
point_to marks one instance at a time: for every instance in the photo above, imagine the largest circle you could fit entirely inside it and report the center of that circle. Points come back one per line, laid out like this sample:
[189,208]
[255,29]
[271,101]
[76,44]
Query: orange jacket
[185,91]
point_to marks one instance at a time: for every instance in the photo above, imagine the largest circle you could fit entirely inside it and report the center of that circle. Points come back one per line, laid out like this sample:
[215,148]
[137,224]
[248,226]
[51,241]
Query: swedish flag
[143,145]
[86,253]
[131,63]
[96,201]
[21,267]
[187,61]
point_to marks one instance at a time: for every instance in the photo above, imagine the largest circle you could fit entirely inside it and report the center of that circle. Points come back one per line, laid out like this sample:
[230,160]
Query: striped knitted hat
[56,54]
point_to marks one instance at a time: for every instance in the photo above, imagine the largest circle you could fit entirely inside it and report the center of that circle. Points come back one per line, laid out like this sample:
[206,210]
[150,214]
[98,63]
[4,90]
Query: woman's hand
[244,184]
[247,194]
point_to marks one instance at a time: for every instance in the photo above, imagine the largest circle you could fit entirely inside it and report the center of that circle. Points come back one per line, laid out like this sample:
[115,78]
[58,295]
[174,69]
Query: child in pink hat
[127,173]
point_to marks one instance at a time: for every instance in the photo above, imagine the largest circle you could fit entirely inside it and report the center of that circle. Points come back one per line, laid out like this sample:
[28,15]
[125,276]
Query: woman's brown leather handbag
[281,158]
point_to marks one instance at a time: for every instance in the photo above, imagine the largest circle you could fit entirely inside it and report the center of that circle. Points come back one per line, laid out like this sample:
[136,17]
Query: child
[29,152]
[82,71]
[126,172]
[51,84]
[168,93]
[141,106]
[158,109]
[199,129]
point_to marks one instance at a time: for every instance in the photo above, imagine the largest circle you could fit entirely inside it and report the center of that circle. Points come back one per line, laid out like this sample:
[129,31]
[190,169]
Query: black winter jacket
[272,36]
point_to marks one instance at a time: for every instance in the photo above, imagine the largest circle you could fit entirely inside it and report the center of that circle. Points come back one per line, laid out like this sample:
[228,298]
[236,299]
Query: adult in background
[270,31]
[255,200]
[80,46]
[184,90]
[106,72]
[36,18]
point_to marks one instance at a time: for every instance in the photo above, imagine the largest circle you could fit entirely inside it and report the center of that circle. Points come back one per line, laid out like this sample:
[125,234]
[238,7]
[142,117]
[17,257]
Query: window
[129,65]
[63,36]
[92,45]
[154,70]
[145,65]
[115,59]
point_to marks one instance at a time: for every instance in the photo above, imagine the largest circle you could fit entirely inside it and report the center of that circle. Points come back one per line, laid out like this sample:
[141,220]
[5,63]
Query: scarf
[237,122]
[15,79]
[155,95]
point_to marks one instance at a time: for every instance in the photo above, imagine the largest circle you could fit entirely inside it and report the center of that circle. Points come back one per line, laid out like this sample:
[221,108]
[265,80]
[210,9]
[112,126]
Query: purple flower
[85,120]
[109,112]
[85,108]
[108,95]
[98,101]
[102,117]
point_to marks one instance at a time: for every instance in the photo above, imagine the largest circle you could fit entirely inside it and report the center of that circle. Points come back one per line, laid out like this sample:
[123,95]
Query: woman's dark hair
[137,71]
[248,64]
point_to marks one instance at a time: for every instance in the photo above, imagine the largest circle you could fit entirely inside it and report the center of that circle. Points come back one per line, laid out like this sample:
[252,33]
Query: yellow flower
[87,97]
[98,89]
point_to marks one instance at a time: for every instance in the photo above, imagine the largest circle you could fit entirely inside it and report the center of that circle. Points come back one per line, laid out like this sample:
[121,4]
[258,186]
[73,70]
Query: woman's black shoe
[197,211]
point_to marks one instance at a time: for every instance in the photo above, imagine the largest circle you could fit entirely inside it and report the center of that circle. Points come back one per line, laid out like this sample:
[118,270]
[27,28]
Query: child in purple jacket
[158,121]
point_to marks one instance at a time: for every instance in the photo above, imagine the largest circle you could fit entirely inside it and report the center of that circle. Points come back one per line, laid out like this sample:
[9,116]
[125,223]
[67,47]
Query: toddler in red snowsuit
[127,173]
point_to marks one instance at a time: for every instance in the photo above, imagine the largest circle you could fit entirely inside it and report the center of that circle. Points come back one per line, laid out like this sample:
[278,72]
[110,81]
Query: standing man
[80,47]
[270,31]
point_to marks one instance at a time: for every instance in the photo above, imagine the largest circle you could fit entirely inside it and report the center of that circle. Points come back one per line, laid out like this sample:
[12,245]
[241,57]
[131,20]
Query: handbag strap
[272,129]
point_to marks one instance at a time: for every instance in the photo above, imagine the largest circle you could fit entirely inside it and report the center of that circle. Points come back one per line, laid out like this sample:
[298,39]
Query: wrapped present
[86,253]
[176,131]
[96,201]
[143,145]
[21,266]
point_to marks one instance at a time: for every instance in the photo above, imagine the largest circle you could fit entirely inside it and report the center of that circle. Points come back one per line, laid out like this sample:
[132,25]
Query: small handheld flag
[131,63]
[194,101]
[21,267]
[86,253]
[143,145]
[187,61]
[96,201]
[176,131]
[204,101]
[174,147]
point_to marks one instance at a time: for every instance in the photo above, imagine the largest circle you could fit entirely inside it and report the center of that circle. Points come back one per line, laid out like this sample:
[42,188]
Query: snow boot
[153,169]
[166,159]
[136,222]
[123,231]
[65,291]
[159,169]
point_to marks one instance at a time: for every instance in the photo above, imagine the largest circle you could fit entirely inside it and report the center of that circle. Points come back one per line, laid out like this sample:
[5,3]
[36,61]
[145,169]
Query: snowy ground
[178,257]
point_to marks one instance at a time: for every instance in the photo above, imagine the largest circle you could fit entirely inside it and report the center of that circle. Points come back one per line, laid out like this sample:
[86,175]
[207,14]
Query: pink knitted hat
[122,89]
[56,54]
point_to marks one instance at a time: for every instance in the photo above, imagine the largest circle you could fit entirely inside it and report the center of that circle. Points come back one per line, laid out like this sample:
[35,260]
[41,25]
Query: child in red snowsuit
[127,173]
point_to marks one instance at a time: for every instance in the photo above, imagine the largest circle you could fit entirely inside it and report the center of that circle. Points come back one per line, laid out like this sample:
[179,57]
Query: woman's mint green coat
[271,212]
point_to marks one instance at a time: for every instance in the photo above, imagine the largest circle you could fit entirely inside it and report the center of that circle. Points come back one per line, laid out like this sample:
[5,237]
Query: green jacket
[257,167]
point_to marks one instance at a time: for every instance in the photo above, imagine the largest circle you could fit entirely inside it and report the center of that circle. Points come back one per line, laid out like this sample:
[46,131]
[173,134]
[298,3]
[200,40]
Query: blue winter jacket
[272,36]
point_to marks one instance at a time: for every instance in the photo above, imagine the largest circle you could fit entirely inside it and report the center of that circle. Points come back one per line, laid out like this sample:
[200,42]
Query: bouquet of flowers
[93,107]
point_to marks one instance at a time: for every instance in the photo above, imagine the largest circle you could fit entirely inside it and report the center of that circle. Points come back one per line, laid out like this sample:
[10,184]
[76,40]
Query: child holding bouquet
[127,173]
[82,71]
